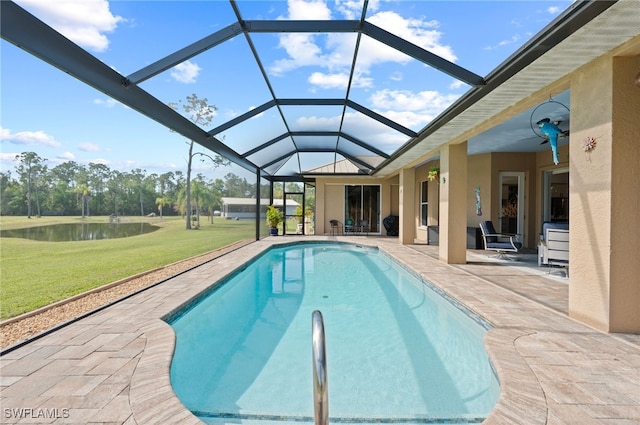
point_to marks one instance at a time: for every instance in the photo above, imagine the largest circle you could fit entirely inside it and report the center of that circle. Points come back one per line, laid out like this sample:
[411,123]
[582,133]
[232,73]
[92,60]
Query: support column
[407,229]
[258,217]
[604,205]
[453,204]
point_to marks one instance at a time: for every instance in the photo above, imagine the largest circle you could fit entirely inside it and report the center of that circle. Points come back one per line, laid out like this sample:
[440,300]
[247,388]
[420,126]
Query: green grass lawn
[34,274]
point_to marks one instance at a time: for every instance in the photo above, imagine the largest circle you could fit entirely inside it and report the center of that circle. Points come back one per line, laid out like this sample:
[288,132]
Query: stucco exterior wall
[590,206]
[625,198]
[479,176]
[604,200]
[330,199]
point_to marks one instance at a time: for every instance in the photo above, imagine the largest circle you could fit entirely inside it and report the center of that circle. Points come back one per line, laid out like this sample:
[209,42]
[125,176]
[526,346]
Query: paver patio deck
[112,367]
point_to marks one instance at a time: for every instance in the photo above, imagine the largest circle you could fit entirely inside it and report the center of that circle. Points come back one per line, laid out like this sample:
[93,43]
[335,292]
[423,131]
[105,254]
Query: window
[424,203]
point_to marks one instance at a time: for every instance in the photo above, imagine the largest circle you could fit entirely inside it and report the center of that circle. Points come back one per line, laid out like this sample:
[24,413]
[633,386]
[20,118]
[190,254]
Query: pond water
[80,231]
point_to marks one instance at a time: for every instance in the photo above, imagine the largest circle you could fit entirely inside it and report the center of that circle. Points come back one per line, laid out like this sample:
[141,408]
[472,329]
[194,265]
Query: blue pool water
[397,352]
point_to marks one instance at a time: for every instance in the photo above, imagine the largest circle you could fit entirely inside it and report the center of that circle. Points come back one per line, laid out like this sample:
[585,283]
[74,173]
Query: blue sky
[48,112]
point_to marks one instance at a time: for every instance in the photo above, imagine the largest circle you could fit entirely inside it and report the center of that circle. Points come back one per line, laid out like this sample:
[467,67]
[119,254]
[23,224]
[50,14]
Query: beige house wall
[625,199]
[330,199]
[479,176]
[604,197]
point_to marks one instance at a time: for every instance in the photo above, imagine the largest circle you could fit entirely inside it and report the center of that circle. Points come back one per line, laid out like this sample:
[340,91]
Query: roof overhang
[582,33]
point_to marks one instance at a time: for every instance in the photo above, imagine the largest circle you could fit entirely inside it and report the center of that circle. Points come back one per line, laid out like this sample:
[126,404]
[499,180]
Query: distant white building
[245,208]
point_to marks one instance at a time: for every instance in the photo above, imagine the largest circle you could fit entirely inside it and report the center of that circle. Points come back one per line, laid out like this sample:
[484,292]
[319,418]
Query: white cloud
[457,84]
[99,161]
[251,108]
[352,9]
[106,102]
[308,9]
[84,22]
[372,132]
[411,109]
[409,101]
[8,157]
[417,31]
[314,123]
[28,138]
[339,80]
[88,147]
[66,156]
[396,76]
[356,124]
[302,51]
[334,52]
[554,10]
[514,39]
[186,72]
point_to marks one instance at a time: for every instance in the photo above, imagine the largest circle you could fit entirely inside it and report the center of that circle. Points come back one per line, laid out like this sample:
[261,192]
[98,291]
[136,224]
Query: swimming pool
[397,351]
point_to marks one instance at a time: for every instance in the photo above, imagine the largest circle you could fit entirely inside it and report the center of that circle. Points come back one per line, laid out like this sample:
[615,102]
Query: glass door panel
[511,212]
[556,195]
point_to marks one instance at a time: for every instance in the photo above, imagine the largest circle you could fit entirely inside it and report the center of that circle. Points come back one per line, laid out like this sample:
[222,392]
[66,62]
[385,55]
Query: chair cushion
[504,245]
[563,225]
[488,229]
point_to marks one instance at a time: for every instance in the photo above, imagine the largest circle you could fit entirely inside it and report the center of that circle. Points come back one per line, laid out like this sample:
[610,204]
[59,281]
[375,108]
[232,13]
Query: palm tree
[161,202]
[83,191]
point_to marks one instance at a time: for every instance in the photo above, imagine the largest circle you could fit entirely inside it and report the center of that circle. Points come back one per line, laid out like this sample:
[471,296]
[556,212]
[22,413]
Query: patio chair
[501,243]
[363,226]
[349,227]
[336,227]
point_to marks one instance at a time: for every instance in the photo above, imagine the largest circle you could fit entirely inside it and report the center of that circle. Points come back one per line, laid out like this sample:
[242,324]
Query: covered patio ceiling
[286,134]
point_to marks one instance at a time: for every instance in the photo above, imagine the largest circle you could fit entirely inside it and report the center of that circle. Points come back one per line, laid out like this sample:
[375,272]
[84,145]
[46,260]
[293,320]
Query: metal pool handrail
[320,392]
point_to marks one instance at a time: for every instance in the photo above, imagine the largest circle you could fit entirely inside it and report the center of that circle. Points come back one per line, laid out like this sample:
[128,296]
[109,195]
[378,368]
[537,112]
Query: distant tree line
[95,189]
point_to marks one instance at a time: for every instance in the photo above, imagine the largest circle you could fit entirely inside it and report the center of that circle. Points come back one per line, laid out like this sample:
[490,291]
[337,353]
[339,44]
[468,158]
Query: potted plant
[274,218]
[434,173]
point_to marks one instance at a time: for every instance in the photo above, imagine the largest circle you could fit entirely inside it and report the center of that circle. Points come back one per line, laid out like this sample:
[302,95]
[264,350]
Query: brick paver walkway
[113,366]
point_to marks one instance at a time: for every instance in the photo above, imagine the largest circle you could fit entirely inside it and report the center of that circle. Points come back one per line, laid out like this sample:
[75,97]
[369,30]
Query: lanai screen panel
[242,55]
[401,88]
[254,132]
[307,65]
[319,143]
[234,88]
[375,133]
[313,117]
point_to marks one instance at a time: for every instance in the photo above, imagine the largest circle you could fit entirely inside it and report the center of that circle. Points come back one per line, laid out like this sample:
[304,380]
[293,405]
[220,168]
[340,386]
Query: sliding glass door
[362,202]
[511,217]
[555,201]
